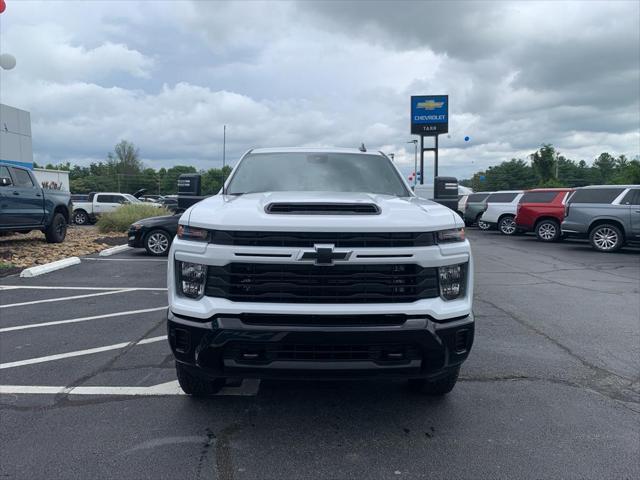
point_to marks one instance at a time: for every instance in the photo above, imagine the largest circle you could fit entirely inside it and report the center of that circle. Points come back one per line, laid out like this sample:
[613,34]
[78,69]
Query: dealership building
[16,147]
[15,136]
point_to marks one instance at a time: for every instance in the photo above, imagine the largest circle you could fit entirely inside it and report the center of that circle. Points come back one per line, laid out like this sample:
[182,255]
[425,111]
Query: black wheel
[157,243]
[57,230]
[80,217]
[507,225]
[548,231]
[196,386]
[606,238]
[436,388]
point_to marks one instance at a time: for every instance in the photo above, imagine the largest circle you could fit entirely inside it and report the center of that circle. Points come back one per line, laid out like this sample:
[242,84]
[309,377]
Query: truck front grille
[338,239]
[292,283]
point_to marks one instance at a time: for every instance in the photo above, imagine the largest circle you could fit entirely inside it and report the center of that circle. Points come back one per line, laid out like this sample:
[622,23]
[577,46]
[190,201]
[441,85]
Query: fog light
[193,277]
[452,281]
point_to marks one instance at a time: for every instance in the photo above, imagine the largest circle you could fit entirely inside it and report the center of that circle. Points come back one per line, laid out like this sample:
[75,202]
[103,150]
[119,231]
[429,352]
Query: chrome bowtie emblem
[324,254]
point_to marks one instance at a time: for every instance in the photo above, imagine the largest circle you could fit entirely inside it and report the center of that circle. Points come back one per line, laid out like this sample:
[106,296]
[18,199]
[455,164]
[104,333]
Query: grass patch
[119,220]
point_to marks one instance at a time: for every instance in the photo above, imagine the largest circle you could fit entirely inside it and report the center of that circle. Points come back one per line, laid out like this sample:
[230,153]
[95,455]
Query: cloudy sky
[167,75]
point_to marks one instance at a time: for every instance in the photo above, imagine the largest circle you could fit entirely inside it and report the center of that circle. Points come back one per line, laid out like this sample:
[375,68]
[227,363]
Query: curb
[113,250]
[49,267]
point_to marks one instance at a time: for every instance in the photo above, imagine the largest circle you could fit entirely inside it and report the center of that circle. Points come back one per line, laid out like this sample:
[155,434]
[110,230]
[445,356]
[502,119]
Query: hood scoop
[322,208]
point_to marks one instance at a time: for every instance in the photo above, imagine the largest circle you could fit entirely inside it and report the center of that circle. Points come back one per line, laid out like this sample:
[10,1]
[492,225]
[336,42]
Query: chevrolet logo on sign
[429,105]
[323,255]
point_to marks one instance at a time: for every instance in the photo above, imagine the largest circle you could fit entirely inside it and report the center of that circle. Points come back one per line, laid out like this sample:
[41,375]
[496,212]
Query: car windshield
[316,172]
[131,198]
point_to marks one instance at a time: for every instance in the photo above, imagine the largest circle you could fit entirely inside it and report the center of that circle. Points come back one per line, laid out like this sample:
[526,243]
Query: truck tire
[196,386]
[157,243]
[57,229]
[548,231]
[606,237]
[482,225]
[435,388]
[507,225]
[80,217]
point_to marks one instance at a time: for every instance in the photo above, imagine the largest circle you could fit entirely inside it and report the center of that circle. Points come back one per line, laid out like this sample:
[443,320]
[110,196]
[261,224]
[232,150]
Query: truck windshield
[316,172]
[131,198]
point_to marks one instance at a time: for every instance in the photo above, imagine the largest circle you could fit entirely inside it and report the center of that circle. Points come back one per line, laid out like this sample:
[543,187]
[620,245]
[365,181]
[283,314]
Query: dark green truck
[26,206]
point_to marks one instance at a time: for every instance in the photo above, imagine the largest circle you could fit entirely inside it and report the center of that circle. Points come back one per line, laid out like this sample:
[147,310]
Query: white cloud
[518,74]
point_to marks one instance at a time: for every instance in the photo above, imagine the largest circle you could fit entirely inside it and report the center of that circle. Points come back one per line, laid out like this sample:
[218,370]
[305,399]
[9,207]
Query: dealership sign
[429,114]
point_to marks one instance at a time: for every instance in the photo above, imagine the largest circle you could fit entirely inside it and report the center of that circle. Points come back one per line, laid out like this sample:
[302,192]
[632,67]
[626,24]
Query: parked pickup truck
[102,202]
[25,206]
[336,271]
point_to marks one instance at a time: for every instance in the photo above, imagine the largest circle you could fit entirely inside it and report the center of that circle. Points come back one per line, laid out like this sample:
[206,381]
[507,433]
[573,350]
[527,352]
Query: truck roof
[311,150]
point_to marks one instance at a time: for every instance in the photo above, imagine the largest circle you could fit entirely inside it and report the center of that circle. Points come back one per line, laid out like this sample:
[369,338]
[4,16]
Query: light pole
[415,163]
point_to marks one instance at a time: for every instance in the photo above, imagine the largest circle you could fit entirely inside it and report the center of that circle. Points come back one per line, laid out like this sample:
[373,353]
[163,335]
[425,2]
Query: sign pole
[435,171]
[421,159]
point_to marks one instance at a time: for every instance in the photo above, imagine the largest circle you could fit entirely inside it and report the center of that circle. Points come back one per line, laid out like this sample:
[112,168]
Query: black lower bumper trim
[265,353]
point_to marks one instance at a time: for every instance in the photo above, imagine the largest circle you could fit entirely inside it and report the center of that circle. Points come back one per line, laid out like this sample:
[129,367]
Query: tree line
[548,168]
[123,171]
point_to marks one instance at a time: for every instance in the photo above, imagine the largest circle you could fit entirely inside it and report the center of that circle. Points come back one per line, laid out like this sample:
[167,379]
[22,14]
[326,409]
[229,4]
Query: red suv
[541,210]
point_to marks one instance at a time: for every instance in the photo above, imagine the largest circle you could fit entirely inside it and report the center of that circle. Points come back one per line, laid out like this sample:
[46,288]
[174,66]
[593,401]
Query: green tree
[605,166]
[543,162]
[212,179]
[125,158]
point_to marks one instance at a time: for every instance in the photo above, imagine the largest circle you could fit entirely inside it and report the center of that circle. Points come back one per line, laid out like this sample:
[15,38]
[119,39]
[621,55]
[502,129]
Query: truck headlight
[190,233]
[452,279]
[452,235]
[193,277]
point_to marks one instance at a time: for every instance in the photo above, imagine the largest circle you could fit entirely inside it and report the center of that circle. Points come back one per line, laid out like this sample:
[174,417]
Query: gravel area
[20,251]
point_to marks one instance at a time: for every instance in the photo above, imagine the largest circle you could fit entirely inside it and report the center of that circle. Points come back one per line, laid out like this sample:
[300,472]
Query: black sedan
[154,234]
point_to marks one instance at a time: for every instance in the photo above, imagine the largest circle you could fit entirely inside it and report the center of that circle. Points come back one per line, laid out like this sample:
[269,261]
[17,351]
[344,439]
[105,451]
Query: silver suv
[608,215]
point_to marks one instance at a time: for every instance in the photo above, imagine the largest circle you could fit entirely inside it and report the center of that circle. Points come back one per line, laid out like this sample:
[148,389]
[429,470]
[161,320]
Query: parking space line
[94,259]
[81,319]
[78,353]
[248,388]
[47,287]
[60,299]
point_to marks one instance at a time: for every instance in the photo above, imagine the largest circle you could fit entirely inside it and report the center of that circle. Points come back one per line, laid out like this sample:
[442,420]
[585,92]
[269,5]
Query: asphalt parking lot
[551,389]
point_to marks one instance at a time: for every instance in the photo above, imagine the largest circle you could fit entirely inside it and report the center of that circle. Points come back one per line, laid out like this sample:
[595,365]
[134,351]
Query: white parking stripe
[78,353]
[248,388]
[47,287]
[124,259]
[60,299]
[82,319]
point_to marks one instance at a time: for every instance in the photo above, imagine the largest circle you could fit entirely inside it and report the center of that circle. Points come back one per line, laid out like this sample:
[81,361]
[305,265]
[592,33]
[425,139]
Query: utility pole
[415,162]
[224,153]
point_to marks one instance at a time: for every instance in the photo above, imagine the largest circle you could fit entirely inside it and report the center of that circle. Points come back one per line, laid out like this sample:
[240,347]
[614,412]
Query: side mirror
[5,182]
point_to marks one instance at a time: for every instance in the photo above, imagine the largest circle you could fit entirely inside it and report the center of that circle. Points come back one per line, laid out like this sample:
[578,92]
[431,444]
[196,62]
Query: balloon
[466,139]
[7,61]
[3,6]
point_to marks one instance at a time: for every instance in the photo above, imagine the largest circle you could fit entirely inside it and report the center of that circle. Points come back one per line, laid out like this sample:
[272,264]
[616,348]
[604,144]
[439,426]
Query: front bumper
[227,346]
[135,238]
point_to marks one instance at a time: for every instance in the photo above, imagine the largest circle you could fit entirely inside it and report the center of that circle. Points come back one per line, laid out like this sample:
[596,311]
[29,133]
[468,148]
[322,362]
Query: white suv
[501,211]
[319,263]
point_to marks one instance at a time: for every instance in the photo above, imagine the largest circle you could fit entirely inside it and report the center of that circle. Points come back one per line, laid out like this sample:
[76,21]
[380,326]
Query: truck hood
[247,212]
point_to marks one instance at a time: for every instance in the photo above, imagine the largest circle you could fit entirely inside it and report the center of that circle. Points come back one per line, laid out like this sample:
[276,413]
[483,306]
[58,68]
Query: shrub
[119,220]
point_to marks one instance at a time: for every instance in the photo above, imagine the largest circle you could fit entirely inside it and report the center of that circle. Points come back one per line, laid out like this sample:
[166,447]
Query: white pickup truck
[102,202]
[319,263]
